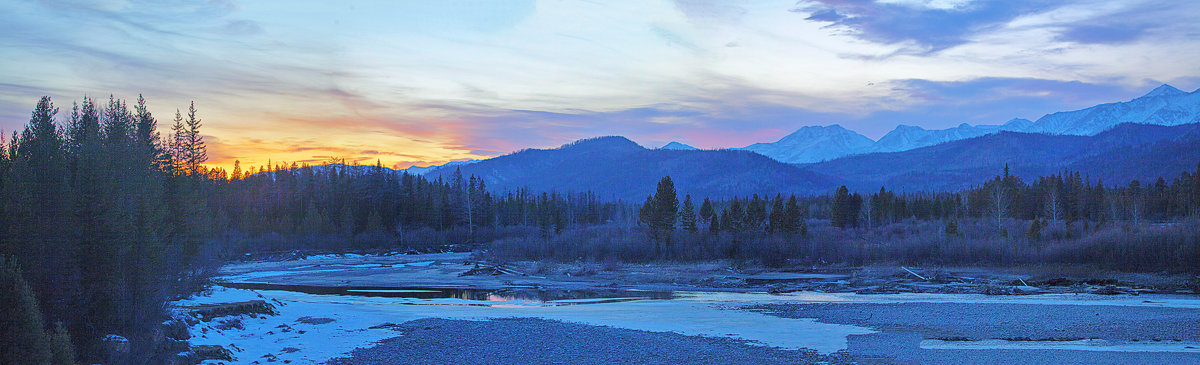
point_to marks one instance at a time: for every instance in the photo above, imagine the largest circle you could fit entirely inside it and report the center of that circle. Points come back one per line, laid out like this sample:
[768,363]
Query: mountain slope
[905,137]
[814,144]
[615,167]
[1164,105]
[1127,152]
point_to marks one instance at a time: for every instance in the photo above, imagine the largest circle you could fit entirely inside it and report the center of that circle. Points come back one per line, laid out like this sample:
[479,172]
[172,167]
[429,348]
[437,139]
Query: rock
[174,329]
[209,311]
[1025,289]
[116,349]
[172,346]
[183,358]
[996,290]
[1109,290]
[314,320]
[211,352]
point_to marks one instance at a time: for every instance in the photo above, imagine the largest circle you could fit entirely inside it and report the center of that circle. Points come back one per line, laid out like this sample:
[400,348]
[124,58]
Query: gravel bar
[904,325]
[538,341]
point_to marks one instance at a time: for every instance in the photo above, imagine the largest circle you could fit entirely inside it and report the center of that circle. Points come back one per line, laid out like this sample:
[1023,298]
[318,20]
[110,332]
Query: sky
[426,82]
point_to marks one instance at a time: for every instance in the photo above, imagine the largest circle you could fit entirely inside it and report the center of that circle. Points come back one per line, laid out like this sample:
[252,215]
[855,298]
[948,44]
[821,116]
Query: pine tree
[665,210]
[646,212]
[777,216]
[687,216]
[197,152]
[177,144]
[793,218]
[841,208]
[25,340]
[706,210]
[732,218]
[756,213]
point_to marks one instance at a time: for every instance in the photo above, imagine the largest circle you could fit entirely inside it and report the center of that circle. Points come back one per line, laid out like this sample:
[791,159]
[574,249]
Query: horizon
[382,81]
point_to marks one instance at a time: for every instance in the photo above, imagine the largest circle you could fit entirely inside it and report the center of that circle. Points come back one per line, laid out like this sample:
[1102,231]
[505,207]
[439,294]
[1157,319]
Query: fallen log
[913,273]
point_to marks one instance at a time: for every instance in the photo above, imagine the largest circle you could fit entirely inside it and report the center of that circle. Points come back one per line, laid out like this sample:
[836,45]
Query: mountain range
[1117,156]
[1154,135]
[617,168]
[1164,105]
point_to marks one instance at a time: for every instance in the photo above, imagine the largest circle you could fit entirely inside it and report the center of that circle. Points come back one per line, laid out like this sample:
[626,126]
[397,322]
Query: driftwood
[494,270]
[913,273]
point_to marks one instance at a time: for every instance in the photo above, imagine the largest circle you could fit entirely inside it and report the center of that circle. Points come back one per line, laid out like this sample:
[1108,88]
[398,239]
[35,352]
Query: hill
[1122,154]
[615,167]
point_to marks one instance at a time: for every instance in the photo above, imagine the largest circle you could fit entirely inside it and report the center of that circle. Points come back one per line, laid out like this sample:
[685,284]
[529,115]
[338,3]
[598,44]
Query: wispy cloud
[430,82]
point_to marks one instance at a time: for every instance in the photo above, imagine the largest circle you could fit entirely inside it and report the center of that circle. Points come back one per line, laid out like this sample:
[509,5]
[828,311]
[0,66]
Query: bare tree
[1000,202]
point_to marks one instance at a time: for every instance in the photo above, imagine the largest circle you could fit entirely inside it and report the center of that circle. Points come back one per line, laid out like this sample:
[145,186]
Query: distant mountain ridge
[1117,156]
[814,144]
[677,146]
[1165,105]
[617,168]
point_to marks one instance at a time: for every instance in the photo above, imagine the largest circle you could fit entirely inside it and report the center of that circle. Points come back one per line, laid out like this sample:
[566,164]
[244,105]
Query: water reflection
[536,296]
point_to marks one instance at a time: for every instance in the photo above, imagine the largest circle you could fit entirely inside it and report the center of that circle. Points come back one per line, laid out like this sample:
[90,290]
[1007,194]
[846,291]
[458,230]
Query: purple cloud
[934,29]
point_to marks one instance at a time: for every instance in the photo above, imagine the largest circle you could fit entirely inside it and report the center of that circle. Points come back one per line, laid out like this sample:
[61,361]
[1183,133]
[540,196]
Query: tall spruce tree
[778,215]
[841,208]
[706,210]
[665,210]
[687,215]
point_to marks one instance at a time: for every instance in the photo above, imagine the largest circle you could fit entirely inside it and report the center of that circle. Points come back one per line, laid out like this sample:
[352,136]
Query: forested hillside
[1117,156]
[617,168]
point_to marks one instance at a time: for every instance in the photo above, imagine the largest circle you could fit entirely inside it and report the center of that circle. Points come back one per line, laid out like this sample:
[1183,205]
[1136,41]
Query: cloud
[243,28]
[452,80]
[931,25]
[1135,22]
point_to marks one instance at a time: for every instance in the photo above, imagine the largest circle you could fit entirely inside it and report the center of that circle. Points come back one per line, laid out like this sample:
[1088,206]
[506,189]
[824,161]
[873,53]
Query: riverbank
[327,306]
[464,270]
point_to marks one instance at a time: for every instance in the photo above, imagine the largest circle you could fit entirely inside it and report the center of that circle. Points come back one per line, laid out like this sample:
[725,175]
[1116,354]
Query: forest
[103,220]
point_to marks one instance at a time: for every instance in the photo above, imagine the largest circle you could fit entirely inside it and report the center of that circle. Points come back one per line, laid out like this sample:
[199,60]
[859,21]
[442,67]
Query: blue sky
[418,82]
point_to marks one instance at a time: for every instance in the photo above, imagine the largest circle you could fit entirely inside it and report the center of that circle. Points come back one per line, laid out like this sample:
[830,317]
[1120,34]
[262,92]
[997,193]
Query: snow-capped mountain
[677,146]
[422,170]
[906,137]
[1164,105]
[814,144]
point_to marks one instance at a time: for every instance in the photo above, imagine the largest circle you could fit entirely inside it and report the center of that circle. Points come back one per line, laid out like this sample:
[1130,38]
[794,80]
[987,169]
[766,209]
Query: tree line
[1065,198]
[98,214]
[103,219]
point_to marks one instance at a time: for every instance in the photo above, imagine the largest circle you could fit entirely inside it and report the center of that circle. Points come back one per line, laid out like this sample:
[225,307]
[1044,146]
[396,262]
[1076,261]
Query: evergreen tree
[687,215]
[25,339]
[756,213]
[777,216]
[706,210]
[841,208]
[646,213]
[733,217]
[793,218]
[197,152]
[665,210]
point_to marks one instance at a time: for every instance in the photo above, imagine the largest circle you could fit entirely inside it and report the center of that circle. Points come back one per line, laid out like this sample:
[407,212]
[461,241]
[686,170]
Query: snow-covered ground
[361,321]
[287,337]
[312,328]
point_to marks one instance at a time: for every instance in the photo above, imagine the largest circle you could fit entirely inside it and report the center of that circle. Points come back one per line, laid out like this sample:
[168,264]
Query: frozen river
[316,323]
